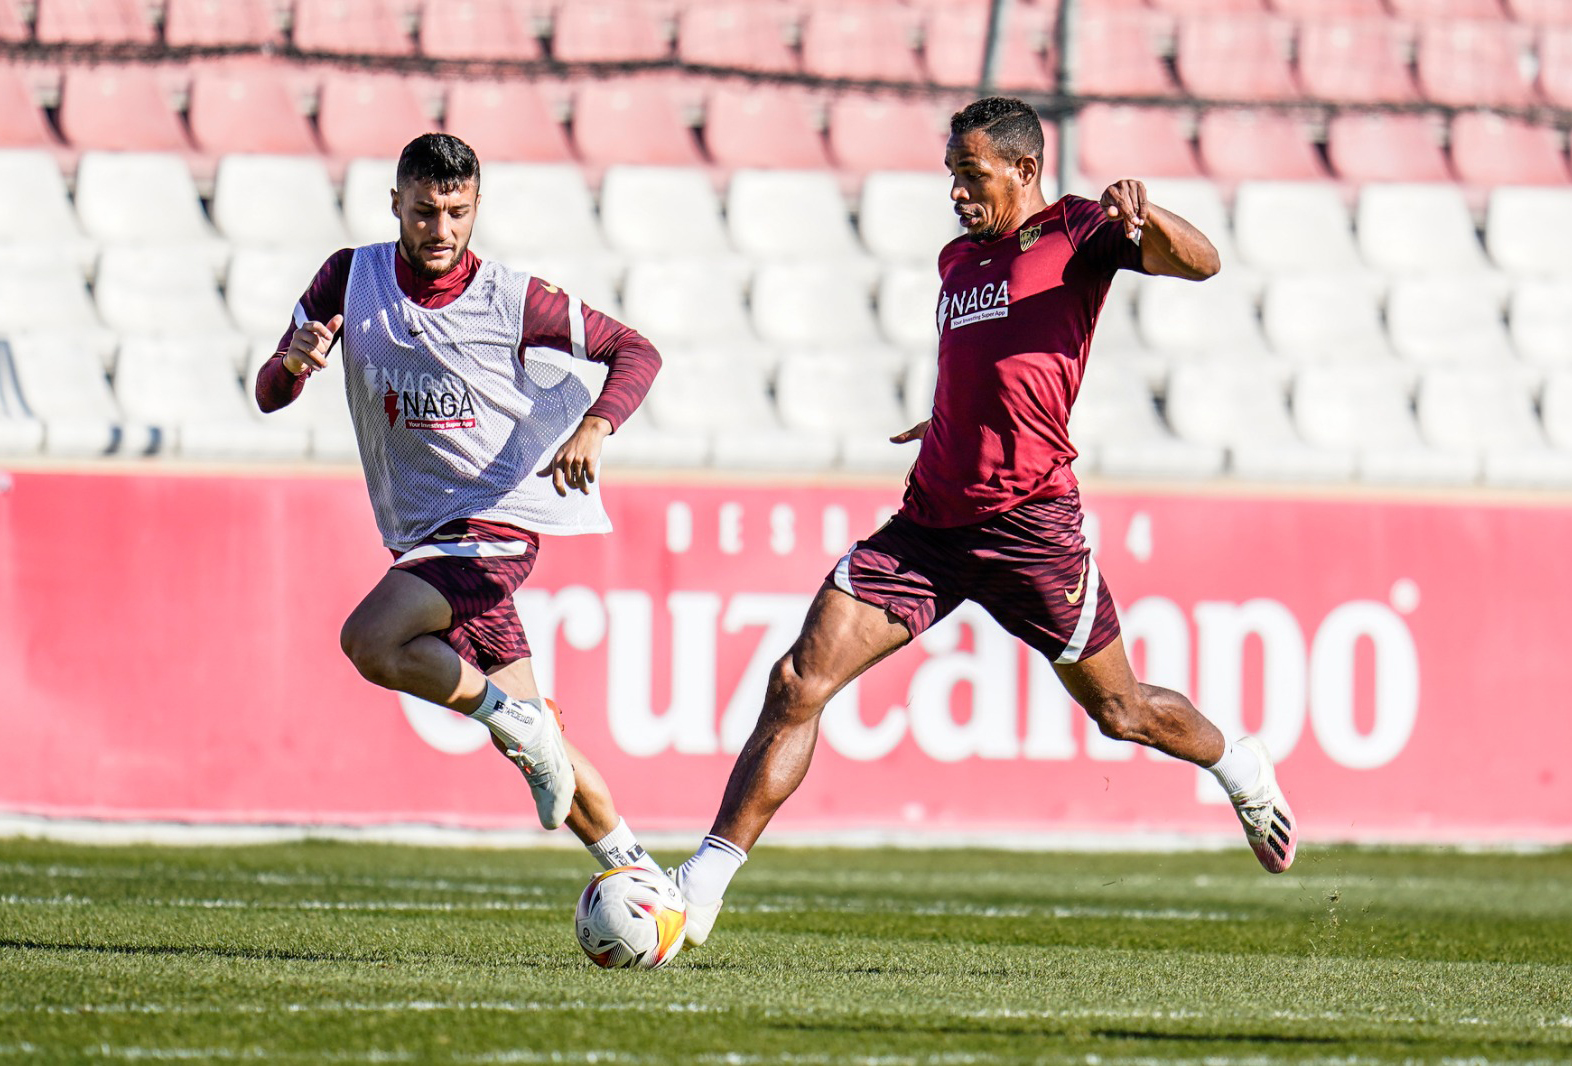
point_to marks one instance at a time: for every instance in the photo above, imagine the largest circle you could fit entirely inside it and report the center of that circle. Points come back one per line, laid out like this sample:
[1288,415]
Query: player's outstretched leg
[841,637]
[1161,718]
[389,637]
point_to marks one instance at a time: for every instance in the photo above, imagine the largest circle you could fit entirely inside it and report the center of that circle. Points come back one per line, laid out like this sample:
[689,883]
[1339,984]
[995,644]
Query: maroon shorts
[1029,568]
[478,566]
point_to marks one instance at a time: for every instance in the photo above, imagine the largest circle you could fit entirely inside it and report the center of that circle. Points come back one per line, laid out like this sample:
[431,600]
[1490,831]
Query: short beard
[418,267]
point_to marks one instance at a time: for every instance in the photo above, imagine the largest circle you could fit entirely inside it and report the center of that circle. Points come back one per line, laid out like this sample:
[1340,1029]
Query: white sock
[514,722]
[1237,770]
[706,875]
[621,848]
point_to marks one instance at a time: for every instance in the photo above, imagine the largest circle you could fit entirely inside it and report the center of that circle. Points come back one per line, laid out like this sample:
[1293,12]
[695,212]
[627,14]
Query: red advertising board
[168,651]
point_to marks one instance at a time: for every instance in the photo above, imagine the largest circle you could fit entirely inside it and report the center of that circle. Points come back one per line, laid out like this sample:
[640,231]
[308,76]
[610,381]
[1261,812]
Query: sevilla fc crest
[1029,236]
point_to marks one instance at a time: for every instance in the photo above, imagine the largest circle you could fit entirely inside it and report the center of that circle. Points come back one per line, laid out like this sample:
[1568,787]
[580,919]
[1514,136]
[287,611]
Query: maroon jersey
[631,360]
[1016,316]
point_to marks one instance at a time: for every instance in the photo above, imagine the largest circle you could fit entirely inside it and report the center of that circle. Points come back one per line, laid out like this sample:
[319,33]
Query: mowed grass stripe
[370,953]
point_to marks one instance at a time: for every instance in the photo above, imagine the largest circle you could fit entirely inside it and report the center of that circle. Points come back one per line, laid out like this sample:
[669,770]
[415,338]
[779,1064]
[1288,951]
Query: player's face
[434,226]
[988,190]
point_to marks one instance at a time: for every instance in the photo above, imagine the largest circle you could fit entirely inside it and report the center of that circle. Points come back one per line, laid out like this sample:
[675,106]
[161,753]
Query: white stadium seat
[1540,321]
[1200,204]
[1217,316]
[661,212]
[264,285]
[1282,226]
[1418,229]
[687,300]
[907,301]
[1479,411]
[368,201]
[48,295]
[321,409]
[1115,426]
[1447,319]
[63,381]
[729,401]
[1525,228]
[146,199]
[637,444]
[536,207]
[48,227]
[21,431]
[278,201]
[835,397]
[1324,316]
[148,290]
[1555,409]
[1240,405]
[807,302]
[188,387]
[906,217]
[592,276]
[917,384]
[1369,407]
[789,213]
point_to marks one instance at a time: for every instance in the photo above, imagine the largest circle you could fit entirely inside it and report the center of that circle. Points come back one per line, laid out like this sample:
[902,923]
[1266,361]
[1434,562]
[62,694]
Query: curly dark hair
[439,159]
[1012,125]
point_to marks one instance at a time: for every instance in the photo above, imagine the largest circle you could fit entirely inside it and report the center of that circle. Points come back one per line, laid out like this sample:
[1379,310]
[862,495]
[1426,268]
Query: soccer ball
[630,917]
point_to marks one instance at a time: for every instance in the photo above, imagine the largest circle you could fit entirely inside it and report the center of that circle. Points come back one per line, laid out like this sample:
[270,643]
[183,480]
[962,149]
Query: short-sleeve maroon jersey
[1015,316]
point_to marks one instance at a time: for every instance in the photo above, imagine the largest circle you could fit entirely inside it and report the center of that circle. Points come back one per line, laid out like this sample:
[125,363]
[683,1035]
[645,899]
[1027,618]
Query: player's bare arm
[308,351]
[574,465]
[917,432]
[1170,246]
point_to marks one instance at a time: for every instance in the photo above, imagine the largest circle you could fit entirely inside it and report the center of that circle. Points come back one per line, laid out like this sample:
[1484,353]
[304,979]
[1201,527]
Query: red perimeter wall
[168,650]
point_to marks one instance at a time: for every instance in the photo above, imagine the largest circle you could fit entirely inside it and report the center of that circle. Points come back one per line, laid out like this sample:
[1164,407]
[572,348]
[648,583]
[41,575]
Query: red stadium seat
[94,22]
[1555,65]
[1242,145]
[1311,10]
[12,25]
[1445,10]
[353,27]
[1490,150]
[478,29]
[220,22]
[1474,64]
[608,31]
[1117,54]
[1376,147]
[629,121]
[1188,8]
[862,42]
[119,109]
[1120,142]
[1357,61]
[1235,58]
[763,127]
[506,121]
[872,133]
[743,33]
[372,115]
[22,121]
[955,39]
[248,108]
[1541,12]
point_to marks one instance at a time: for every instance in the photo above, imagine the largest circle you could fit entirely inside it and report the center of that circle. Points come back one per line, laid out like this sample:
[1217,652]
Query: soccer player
[991,511]
[477,433]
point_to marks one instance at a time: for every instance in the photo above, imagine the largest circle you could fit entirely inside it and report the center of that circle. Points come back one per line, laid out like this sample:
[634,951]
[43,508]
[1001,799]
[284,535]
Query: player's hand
[1126,199]
[917,432]
[308,350]
[573,467]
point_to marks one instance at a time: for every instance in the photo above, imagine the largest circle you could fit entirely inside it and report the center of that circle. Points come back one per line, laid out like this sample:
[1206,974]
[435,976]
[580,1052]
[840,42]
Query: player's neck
[1030,205]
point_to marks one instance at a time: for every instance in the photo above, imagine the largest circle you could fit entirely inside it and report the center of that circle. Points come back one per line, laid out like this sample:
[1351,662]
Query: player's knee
[794,693]
[369,655]
[1120,719]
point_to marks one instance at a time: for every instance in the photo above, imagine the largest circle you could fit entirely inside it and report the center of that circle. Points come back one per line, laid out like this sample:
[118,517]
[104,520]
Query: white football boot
[1263,811]
[701,916]
[546,766]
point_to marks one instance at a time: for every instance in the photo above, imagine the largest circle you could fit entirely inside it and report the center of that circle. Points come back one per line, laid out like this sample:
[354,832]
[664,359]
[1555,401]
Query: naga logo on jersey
[423,401]
[977,304]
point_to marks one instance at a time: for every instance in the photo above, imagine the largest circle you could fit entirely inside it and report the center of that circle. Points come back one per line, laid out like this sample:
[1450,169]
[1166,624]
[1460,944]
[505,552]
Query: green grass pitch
[350,953]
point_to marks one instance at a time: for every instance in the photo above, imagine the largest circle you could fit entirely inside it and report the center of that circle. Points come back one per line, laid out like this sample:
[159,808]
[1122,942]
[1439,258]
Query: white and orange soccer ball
[630,917]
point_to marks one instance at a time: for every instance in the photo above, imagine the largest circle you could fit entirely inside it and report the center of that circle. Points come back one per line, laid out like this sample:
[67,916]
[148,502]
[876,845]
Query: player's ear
[1029,169]
[394,193]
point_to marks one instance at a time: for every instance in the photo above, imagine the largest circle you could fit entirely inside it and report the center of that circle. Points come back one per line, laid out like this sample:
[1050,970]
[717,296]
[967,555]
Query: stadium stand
[688,303]
[631,121]
[807,303]
[1233,58]
[362,28]
[1489,149]
[146,201]
[120,108]
[475,29]
[513,218]
[211,23]
[1370,147]
[1518,222]
[1555,65]
[1448,320]
[151,291]
[1296,323]
[878,133]
[661,211]
[253,192]
[1118,140]
[1357,61]
[1117,53]
[367,205]
[93,21]
[862,42]
[50,229]
[763,127]
[1417,229]
[831,396]
[1539,319]
[1475,64]
[68,392]
[906,299]
[785,213]
[369,115]
[22,122]
[262,287]
[247,108]
[1540,12]
[906,217]
[955,39]
[740,34]
[507,121]
[608,31]
[1241,144]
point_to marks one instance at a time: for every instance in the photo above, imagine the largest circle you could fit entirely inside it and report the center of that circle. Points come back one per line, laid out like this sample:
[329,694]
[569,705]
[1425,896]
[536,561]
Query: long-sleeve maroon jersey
[631,361]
